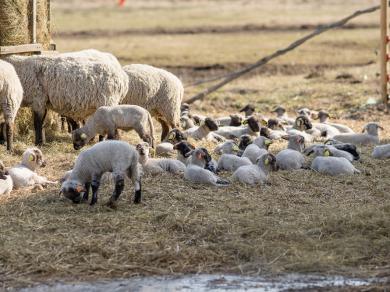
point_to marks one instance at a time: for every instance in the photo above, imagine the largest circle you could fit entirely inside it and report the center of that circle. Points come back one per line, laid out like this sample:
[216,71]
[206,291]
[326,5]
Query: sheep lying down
[381,152]
[6,183]
[332,165]
[117,157]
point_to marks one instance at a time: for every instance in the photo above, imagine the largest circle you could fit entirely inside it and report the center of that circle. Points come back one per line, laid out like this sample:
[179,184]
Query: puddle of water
[200,283]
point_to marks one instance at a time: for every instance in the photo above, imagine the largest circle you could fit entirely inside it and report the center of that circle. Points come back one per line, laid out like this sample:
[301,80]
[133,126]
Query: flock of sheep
[93,85]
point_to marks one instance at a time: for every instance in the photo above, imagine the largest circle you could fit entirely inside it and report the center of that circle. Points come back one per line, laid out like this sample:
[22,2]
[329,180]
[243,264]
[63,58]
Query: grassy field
[300,222]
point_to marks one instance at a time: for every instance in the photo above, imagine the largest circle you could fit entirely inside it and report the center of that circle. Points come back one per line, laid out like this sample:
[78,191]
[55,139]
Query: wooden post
[383,51]
[34,21]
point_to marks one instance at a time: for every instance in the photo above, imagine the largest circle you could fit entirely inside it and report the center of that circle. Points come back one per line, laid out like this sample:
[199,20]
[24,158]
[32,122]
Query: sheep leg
[9,129]
[72,124]
[101,138]
[137,194]
[38,127]
[95,187]
[2,134]
[86,194]
[165,128]
[119,186]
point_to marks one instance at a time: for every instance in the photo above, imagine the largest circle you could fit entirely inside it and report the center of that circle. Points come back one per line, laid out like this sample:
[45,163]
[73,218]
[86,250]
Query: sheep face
[72,190]
[248,110]
[33,158]
[175,136]
[302,123]
[184,107]
[304,112]
[245,140]
[211,124]
[372,129]
[143,149]
[184,148]
[268,161]
[280,111]
[235,121]
[323,116]
[275,124]
[80,139]
[252,124]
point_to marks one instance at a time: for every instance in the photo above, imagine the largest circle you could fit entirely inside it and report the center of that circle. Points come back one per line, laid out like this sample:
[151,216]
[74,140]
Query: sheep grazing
[108,119]
[156,166]
[327,164]
[233,120]
[183,149]
[381,152]
[158,91]
[230,162]
[227,147]
[201,132]
[323,117]
[11,96]
[258,173]
[73,85]
[249,109]
[116,157]
[24,175]
[292,158]
[252,128]
[196,172]
[258,148]
[6,183]
[368,137]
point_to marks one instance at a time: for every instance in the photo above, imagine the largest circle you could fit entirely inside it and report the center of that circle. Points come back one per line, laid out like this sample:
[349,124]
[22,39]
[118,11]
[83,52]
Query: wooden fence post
[383,51]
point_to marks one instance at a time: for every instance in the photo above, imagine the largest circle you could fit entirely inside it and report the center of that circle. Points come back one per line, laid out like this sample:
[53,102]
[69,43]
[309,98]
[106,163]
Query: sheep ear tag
[267,142]
[266,161]
[83,136]
[235,148]
[31,157]
[264,123]
[326,153]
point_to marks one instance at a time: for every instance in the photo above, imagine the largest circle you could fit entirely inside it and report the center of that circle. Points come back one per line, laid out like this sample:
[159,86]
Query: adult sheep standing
[11,95]
[73,85]
[158,91]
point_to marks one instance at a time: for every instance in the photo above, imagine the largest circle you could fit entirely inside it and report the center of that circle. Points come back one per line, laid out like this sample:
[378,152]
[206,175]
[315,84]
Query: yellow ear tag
[83,136]
[31,157]
[266,161]
[264,122]
[235,148]
[326,153]
[267,142]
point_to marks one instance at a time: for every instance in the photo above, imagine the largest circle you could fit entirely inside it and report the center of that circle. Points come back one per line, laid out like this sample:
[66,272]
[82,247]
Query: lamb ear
[285,137]
[380,127]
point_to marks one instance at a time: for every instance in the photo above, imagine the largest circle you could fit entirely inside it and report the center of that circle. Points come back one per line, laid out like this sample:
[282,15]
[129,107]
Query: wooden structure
[384,56]
[33,45]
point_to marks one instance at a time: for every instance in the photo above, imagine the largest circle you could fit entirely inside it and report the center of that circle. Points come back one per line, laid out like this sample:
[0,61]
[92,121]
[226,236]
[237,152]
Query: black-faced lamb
[116,157]
[154,166]
[201,132]
[233,120]
[252,128]
[11,96]
[158,91]
[256,173]
[165,148]
[108,119]
[183,149]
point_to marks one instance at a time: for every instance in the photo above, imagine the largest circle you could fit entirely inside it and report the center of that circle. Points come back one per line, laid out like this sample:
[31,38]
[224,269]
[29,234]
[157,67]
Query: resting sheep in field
[117,157]
[252,128]
[282,115]
[258,173]
[227,147]
[166,147]
[73,85]
[108,119]
[292,158]
[158,91]
[6,183]
[231,162]
[258,148]
[196,172]
[201,132]
[371,136]
[327,164]
[184,149]
[381,151]
[24,175]
[318,150]
[155,166]
[301,125]
[323,117]
[232,120]
[11,96]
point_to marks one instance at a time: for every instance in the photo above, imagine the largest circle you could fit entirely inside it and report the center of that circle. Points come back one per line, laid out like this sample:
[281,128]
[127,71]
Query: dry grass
[300,222]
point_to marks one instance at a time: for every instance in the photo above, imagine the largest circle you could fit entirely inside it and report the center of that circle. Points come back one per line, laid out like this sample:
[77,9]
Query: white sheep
[232,120]
[158,91]
[381,151]
[318,150]
[229,132]
[291,158]
[301,125]
[24,174]
[73,85]
[333,166]
[196,172]
[166,147]
[186,122]
[108,119]
[227,147]
[11,96]
[116,157]
[258,148]
[256,173]
[202,132]
[184,149]
[323,117]
[6,183]
[371,136]
[230,162]
[155,166]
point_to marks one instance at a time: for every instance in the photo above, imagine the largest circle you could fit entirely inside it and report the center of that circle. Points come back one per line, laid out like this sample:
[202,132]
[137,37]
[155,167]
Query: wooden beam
[383,51]
[29,48]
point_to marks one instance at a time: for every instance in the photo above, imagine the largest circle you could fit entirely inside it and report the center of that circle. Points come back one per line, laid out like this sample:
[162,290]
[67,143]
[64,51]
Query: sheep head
[267,161]
[249,109]
[80,139]
[72,190]
[279,110]
[302,123]
[210,124]
[33,158]
[235,120]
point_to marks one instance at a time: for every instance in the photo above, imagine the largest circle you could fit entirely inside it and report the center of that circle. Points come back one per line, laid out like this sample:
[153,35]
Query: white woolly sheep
[318,150]
[258,148]
[233,120]
[6,183]
[333,166]
[158,91]
[371,136]
[24,175]
[227,147]
[301,125]
[117,157]
[73,85]
[252,128]
[381,151]
[258,173]
[108,119]
[166,147]
[11,96]
[323,117]
[230,162]
[291,158]
[155,166]
[196,172]
[201,132]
